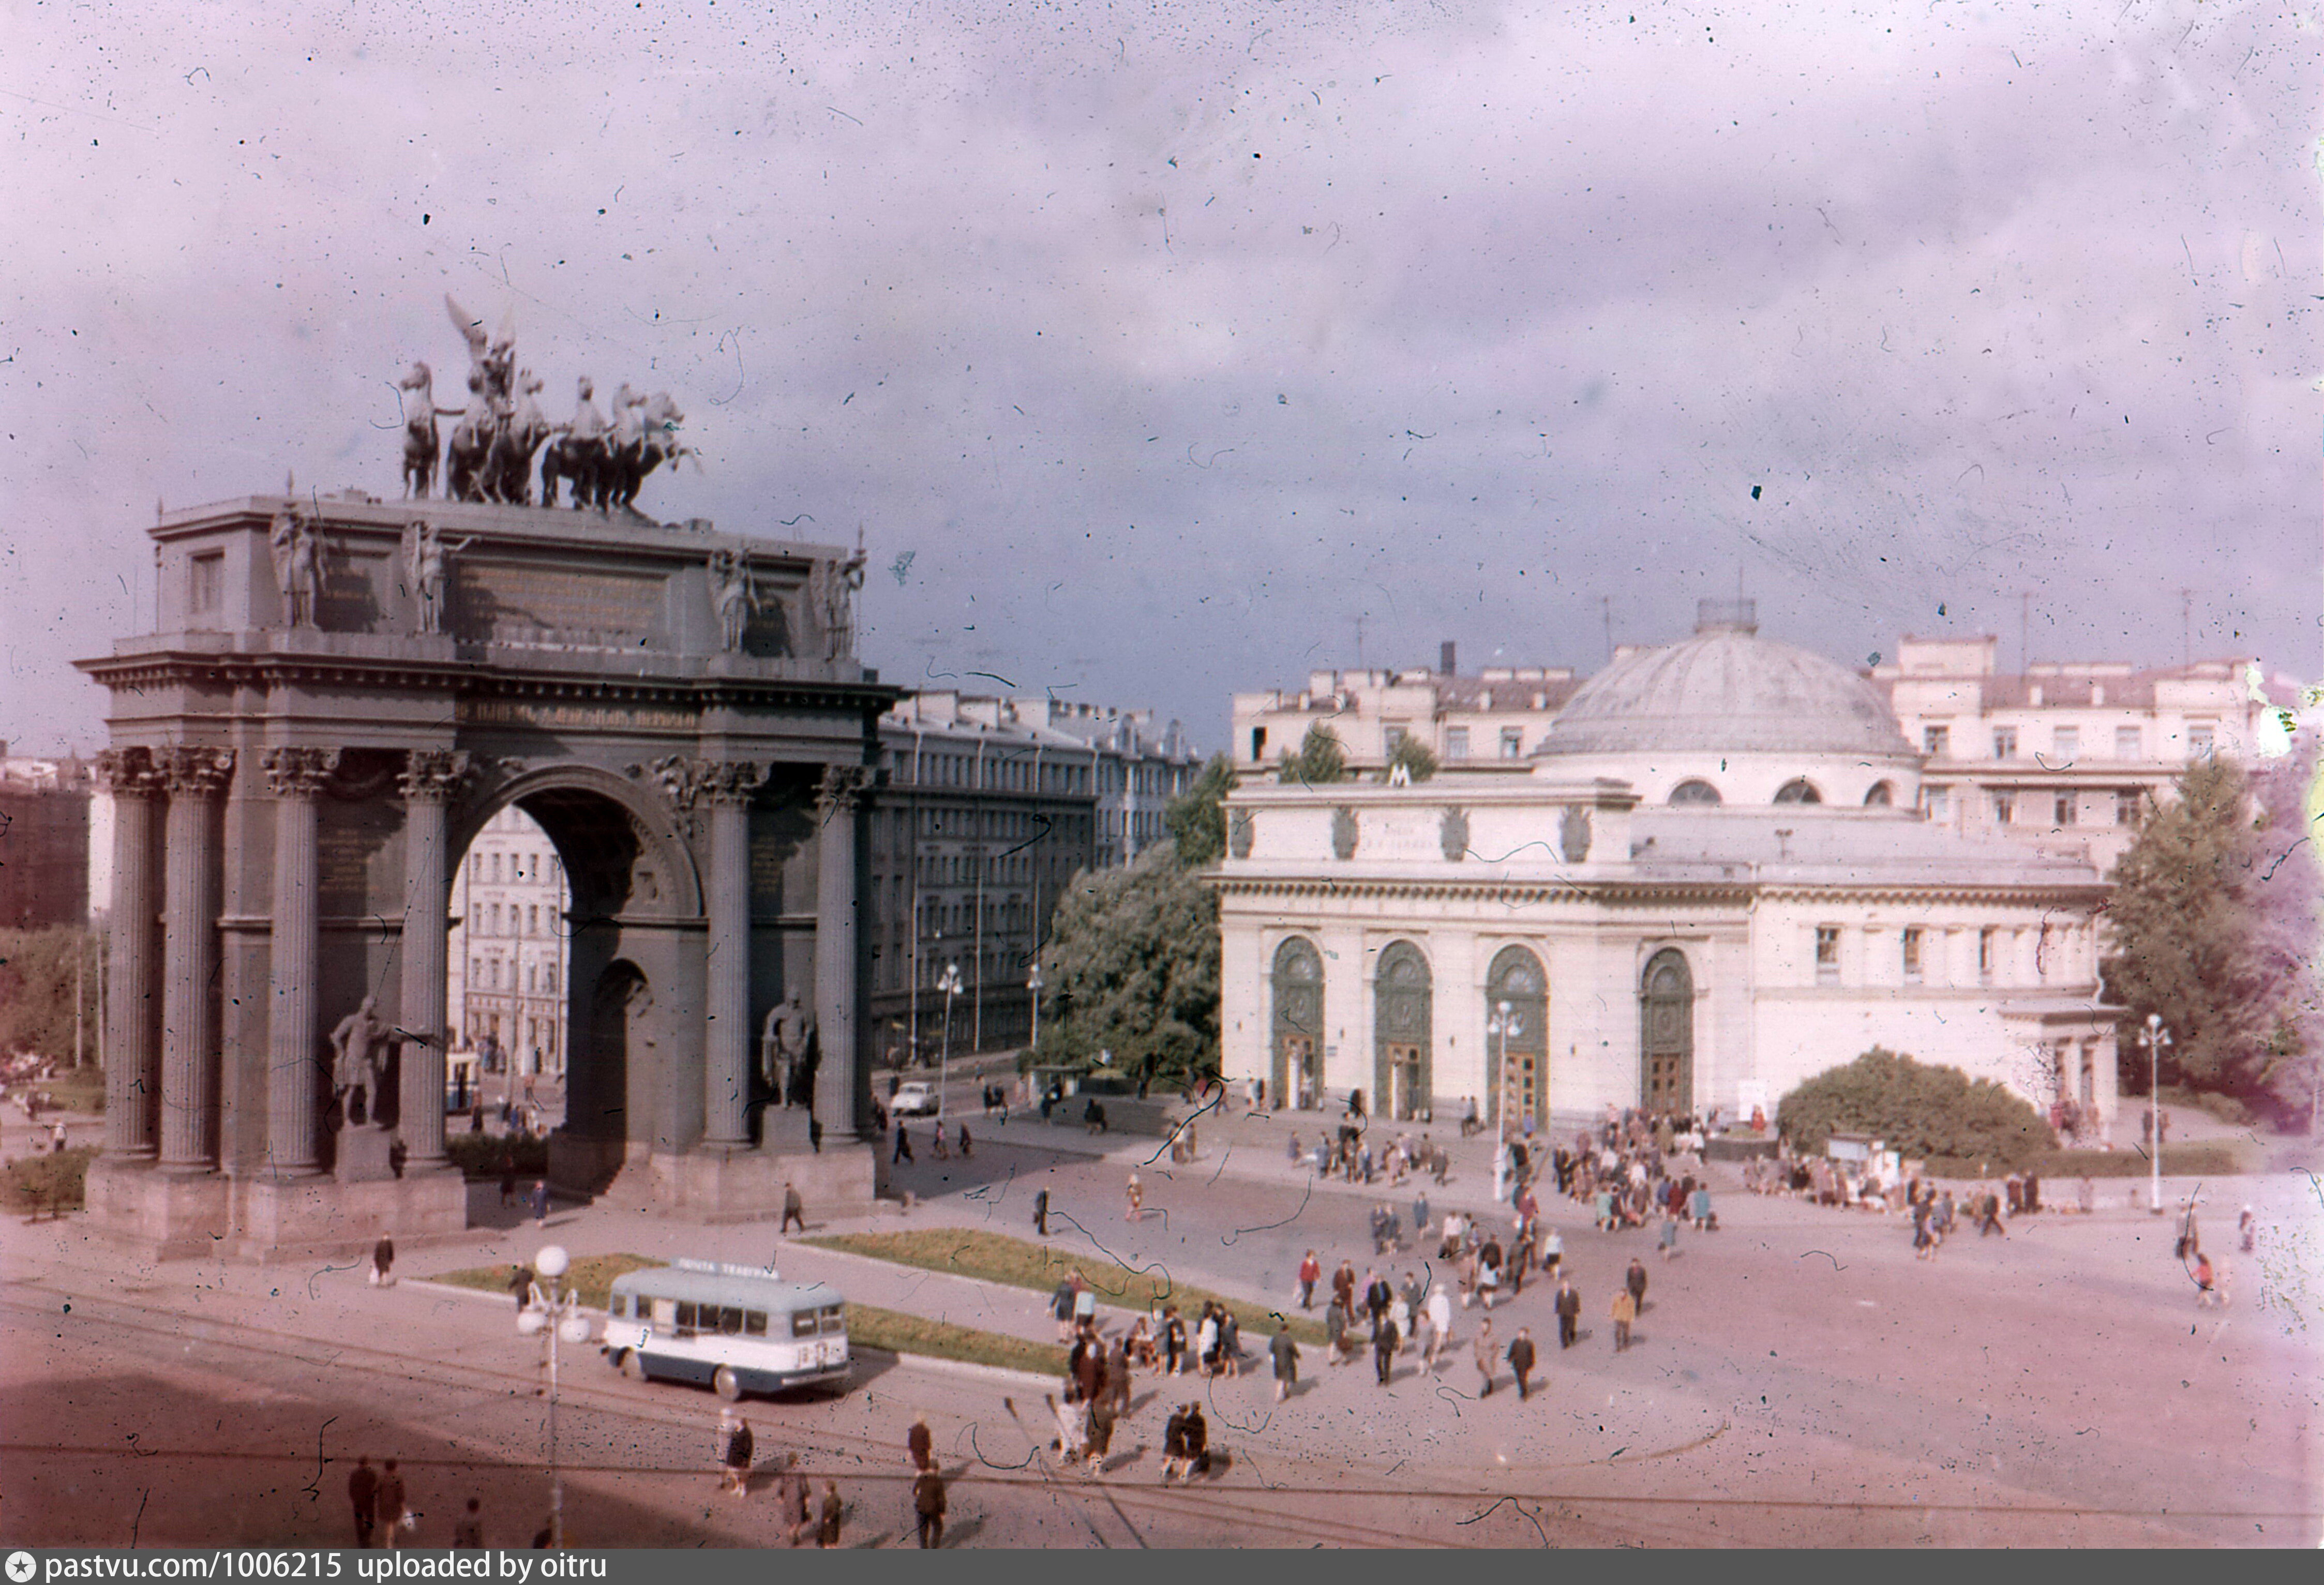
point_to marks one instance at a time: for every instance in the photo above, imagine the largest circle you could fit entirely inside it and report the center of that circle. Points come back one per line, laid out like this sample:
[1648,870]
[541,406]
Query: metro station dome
[1728,691]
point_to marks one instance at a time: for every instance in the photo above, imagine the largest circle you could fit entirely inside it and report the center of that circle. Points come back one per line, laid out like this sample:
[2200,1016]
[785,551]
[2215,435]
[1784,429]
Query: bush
[486,1155]
[1920,1111]
[52,1183]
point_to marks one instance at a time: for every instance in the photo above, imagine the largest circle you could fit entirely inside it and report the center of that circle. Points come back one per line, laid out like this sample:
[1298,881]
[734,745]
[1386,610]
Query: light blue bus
[737,1329]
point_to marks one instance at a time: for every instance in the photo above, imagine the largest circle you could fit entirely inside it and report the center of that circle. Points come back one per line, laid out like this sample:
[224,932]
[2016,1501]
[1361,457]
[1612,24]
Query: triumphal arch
[340,693]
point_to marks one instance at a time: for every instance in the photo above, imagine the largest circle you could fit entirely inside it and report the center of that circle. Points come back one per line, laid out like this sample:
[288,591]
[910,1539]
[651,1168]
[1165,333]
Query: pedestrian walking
[1286,1355]
[363,1496]
[1521,1362]
[470,1533]
[928,1506]
[1553,1251]
[1378,1296]
[1624,1310]
[1117,1377]
[1439,1310]
[794,1210]
[382,1262]
[1174,1444]
[2206,1289]
[1420,1215]
[903,1145]
[1335,1331]
[1484,1352]
[1060,1307]
[1310,1273]
[1084,1304]
[1100,1431]
[1197,1442]
[1669,1242]
[2247,1230]
[1569,1313]
[966,1152]
[734,1449]
[1135,1194]
[508,1182]
[1041,1214]
[794,1503]
[389,1507]
[1385,1339]
[826,1529]
[1174,1341]
[936,1146]
[1071,1426]
[920,1444]
[1635,1279]
[540,1201]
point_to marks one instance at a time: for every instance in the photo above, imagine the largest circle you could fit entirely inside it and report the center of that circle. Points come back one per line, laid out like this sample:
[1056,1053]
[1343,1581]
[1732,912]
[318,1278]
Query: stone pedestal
[324,1216]
[163,1215]
[715,1185]
[365,1152]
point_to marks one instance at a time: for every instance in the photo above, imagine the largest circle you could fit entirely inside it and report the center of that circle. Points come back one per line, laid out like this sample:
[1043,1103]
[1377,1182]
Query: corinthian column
[296,778]
[132,1074]
[726,1034]
[838,1103]
[429,781]
[189,1054]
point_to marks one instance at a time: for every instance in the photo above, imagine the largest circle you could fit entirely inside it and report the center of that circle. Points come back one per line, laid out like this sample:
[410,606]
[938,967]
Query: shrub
[486,1155]
[1919,1110]
[52,1183]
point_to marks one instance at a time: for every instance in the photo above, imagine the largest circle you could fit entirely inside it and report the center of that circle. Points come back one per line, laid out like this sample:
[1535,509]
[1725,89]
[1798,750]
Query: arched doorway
[1666,1030]
[1296,1078]
[1517,982]
[1402,1073]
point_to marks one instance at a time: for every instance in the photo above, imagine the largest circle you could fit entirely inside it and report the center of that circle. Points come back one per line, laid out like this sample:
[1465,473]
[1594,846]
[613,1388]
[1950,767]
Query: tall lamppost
[1033,984]
[559,1315]
[1503,1024]
[2156,1038]
[949,984]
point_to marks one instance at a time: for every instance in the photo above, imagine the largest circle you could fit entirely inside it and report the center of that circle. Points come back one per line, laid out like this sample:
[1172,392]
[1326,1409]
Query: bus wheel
[633,1366]
[727,1385]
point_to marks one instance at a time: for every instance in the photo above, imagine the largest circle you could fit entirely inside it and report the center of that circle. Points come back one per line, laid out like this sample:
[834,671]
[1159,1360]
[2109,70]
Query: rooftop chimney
[1444,665]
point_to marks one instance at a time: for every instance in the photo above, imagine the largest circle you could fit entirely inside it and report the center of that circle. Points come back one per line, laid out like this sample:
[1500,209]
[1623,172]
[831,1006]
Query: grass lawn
[868,1325]
[1016,1263]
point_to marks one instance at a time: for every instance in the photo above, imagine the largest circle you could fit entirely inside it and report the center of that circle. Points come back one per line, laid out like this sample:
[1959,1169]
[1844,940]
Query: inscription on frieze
[350,602]
[571,717]
[535,606]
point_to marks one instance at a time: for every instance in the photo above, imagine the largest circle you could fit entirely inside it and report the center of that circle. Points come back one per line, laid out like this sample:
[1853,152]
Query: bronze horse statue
[420,442]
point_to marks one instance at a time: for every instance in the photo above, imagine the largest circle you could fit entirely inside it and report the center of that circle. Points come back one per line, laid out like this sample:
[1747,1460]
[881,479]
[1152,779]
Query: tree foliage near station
[1320,759]
[2213,927]
[1197,821]
[36,992]
[1132,968]
[1919,1109]
[1416,759]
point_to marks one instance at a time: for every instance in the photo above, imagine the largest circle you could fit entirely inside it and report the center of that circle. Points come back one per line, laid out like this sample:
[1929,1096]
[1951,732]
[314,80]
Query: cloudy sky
[1163,351]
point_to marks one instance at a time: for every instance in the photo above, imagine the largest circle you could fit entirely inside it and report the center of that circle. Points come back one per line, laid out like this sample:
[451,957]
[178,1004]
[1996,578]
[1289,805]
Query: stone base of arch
[724,1184]
[173,1216]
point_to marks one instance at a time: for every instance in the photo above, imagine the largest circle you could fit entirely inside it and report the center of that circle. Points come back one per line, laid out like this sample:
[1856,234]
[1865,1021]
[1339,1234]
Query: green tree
[1320,759]
[2189,936]
[1918,1109]
[1417,759]
[1197,822]
[1132,967]
[36,992]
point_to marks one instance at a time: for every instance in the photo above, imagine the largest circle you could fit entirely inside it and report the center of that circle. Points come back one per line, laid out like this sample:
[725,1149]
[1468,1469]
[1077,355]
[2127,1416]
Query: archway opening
[1403,1069]
[1295,1076]
[1517,1015]
[1666,1026]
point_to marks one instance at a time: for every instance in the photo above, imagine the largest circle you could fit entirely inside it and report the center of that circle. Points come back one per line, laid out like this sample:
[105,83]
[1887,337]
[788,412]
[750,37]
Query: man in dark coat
[362,1490]
[1569,1314]
[1286,1360]
[1385,1339]
[1521,1359]
[1378,1296]
[928,1506]
[1041,1214]
[1635,1279]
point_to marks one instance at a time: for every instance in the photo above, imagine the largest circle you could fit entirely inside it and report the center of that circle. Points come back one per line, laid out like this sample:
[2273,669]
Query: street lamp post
[950,985]
[1033,984]
[559,1315]
[1503,1024]
[2156,1039]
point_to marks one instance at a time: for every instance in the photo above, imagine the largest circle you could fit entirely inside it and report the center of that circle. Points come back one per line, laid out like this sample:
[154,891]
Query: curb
[1001,1374]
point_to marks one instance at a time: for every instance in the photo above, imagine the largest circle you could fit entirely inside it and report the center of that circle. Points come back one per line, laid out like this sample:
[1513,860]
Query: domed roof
[1730,691]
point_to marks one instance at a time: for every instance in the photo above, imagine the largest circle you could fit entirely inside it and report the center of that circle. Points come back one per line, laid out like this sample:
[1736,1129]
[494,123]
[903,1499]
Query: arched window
[1798,790]
[1517,982]
[1881,795]
[1694,790]
[1402,1076]
[1296,1047]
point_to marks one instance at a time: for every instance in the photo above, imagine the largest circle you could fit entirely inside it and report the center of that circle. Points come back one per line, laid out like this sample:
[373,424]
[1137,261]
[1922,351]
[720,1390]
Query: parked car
[917,1098]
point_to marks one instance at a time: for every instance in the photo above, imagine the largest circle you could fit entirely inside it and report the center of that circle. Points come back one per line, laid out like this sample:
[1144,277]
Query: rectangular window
[1393,736]
[1912,934]
[2065,742]
[532,919]
[2199,742]
[803,1323]
[496,868]
[1985,954]
[1827,954]
[1456,742]
[1934,741]
[2126,743]
[1512,742]
[209,582]
[2063,810]
[730,1320]
[686,1318]
[2005,806]
[2005,743]
[1938,801]
[2126,808]
[754,1324]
